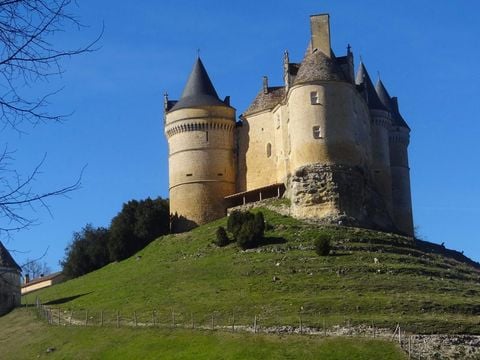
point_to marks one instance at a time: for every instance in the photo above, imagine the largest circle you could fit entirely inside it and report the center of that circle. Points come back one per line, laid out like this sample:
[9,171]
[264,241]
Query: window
[219,174]
[206,135]
[269,150]
[317,132]
[189,174]
[314,99]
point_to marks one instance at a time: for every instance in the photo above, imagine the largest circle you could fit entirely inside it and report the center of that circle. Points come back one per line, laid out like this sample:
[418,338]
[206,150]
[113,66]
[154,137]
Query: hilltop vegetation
[370,277]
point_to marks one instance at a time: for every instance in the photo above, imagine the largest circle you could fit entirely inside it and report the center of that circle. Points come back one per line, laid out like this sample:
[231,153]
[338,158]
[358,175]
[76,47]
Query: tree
[87,252]
[28,56]
[35,268]
[136,225]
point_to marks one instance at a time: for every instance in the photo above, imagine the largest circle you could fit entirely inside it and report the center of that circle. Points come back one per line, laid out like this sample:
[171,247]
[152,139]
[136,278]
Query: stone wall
[337,194]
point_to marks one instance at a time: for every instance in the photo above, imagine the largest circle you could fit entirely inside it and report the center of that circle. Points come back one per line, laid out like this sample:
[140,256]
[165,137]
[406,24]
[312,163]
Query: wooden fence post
[409,347]
[213,321]
[173,318]
[324,328]
[233,321]
[255,325]
[59,317]
[193,320]
[101,318]
[118,319]
[301,324]
[135,318]
[153,318]
[86,317]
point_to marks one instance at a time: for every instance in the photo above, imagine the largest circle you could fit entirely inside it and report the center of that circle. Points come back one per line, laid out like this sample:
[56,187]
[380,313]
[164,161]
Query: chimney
[320,28]
[265,85]
[27,278]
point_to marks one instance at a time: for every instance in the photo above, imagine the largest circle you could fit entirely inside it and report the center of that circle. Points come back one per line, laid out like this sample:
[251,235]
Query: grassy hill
[422,286]
[22,337]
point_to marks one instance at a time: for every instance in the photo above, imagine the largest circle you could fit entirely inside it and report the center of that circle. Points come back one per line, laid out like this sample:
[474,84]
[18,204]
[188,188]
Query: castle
[330,141]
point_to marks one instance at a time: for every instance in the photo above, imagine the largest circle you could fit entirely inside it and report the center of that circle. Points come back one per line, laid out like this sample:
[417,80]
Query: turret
[381,121]
[200,133]
[327,129]
[399,139]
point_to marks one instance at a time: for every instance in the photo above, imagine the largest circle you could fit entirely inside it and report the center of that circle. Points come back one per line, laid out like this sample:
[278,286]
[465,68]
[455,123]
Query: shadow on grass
[66,299]
[272,240]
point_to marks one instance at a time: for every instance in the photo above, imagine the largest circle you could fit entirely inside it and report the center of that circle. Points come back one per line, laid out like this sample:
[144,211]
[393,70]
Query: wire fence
[218,321]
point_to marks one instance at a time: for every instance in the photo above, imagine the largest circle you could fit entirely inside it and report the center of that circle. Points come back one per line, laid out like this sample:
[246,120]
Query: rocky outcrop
[337,194]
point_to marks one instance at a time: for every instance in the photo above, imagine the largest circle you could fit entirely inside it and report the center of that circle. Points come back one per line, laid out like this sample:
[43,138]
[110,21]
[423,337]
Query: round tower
[381,122]
[399,138]
[327,117]
[200,133]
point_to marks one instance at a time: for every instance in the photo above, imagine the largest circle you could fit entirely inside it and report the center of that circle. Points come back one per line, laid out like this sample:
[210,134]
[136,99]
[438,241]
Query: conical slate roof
[316,66]
[6,260]
[391,104]
[199,90]
[364,79]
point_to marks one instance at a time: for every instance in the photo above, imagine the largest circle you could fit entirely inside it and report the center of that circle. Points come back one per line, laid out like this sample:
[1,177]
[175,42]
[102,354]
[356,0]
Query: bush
[247,229]
[322,245]
[234,222]
[221,237]
[246,238]
[259,221]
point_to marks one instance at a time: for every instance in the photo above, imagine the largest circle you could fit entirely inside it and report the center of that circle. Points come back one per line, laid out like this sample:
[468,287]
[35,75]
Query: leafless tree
[35,268]
[28,55]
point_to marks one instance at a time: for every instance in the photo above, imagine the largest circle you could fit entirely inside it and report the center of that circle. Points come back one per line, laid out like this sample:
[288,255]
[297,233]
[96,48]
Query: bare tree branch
[27,55]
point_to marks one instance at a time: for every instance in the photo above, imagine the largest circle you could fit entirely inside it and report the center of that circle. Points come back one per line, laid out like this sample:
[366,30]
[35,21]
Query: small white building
[42,282]
[9,281]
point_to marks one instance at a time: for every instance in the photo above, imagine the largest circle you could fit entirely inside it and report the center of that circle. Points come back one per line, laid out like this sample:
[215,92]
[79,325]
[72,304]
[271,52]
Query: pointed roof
[316,66]
[199,90]
[364,79]
[391,104]
[6,260]
[398,119]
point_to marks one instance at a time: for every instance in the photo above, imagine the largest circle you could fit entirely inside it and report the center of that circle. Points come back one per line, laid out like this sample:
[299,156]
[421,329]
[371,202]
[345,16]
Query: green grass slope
[421,286]
[22,336]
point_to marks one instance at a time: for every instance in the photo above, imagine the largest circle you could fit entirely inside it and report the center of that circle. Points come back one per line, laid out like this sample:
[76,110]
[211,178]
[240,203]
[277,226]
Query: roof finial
[361,58]
[378,73]
[198,53]
[349,49]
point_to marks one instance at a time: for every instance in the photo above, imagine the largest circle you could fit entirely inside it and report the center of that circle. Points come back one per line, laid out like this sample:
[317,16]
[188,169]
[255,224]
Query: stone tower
[200,133]
[399,139]
[380,127]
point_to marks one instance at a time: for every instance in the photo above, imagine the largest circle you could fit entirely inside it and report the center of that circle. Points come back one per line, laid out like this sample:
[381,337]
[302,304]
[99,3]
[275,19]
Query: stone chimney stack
[265,85]
[320,28]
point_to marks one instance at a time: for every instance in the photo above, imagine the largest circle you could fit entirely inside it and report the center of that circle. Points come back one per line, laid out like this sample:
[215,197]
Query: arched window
[269,150]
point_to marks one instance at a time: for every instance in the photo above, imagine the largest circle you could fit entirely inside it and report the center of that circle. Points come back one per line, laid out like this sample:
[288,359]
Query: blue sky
[425,53]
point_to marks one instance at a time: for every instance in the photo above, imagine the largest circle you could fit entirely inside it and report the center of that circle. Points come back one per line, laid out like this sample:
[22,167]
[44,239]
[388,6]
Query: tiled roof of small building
[267,101]
[6,260]
[372,98]
[199,90]
[316,66]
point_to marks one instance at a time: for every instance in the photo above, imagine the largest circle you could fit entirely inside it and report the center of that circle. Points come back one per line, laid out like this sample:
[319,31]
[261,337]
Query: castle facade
[328,139]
